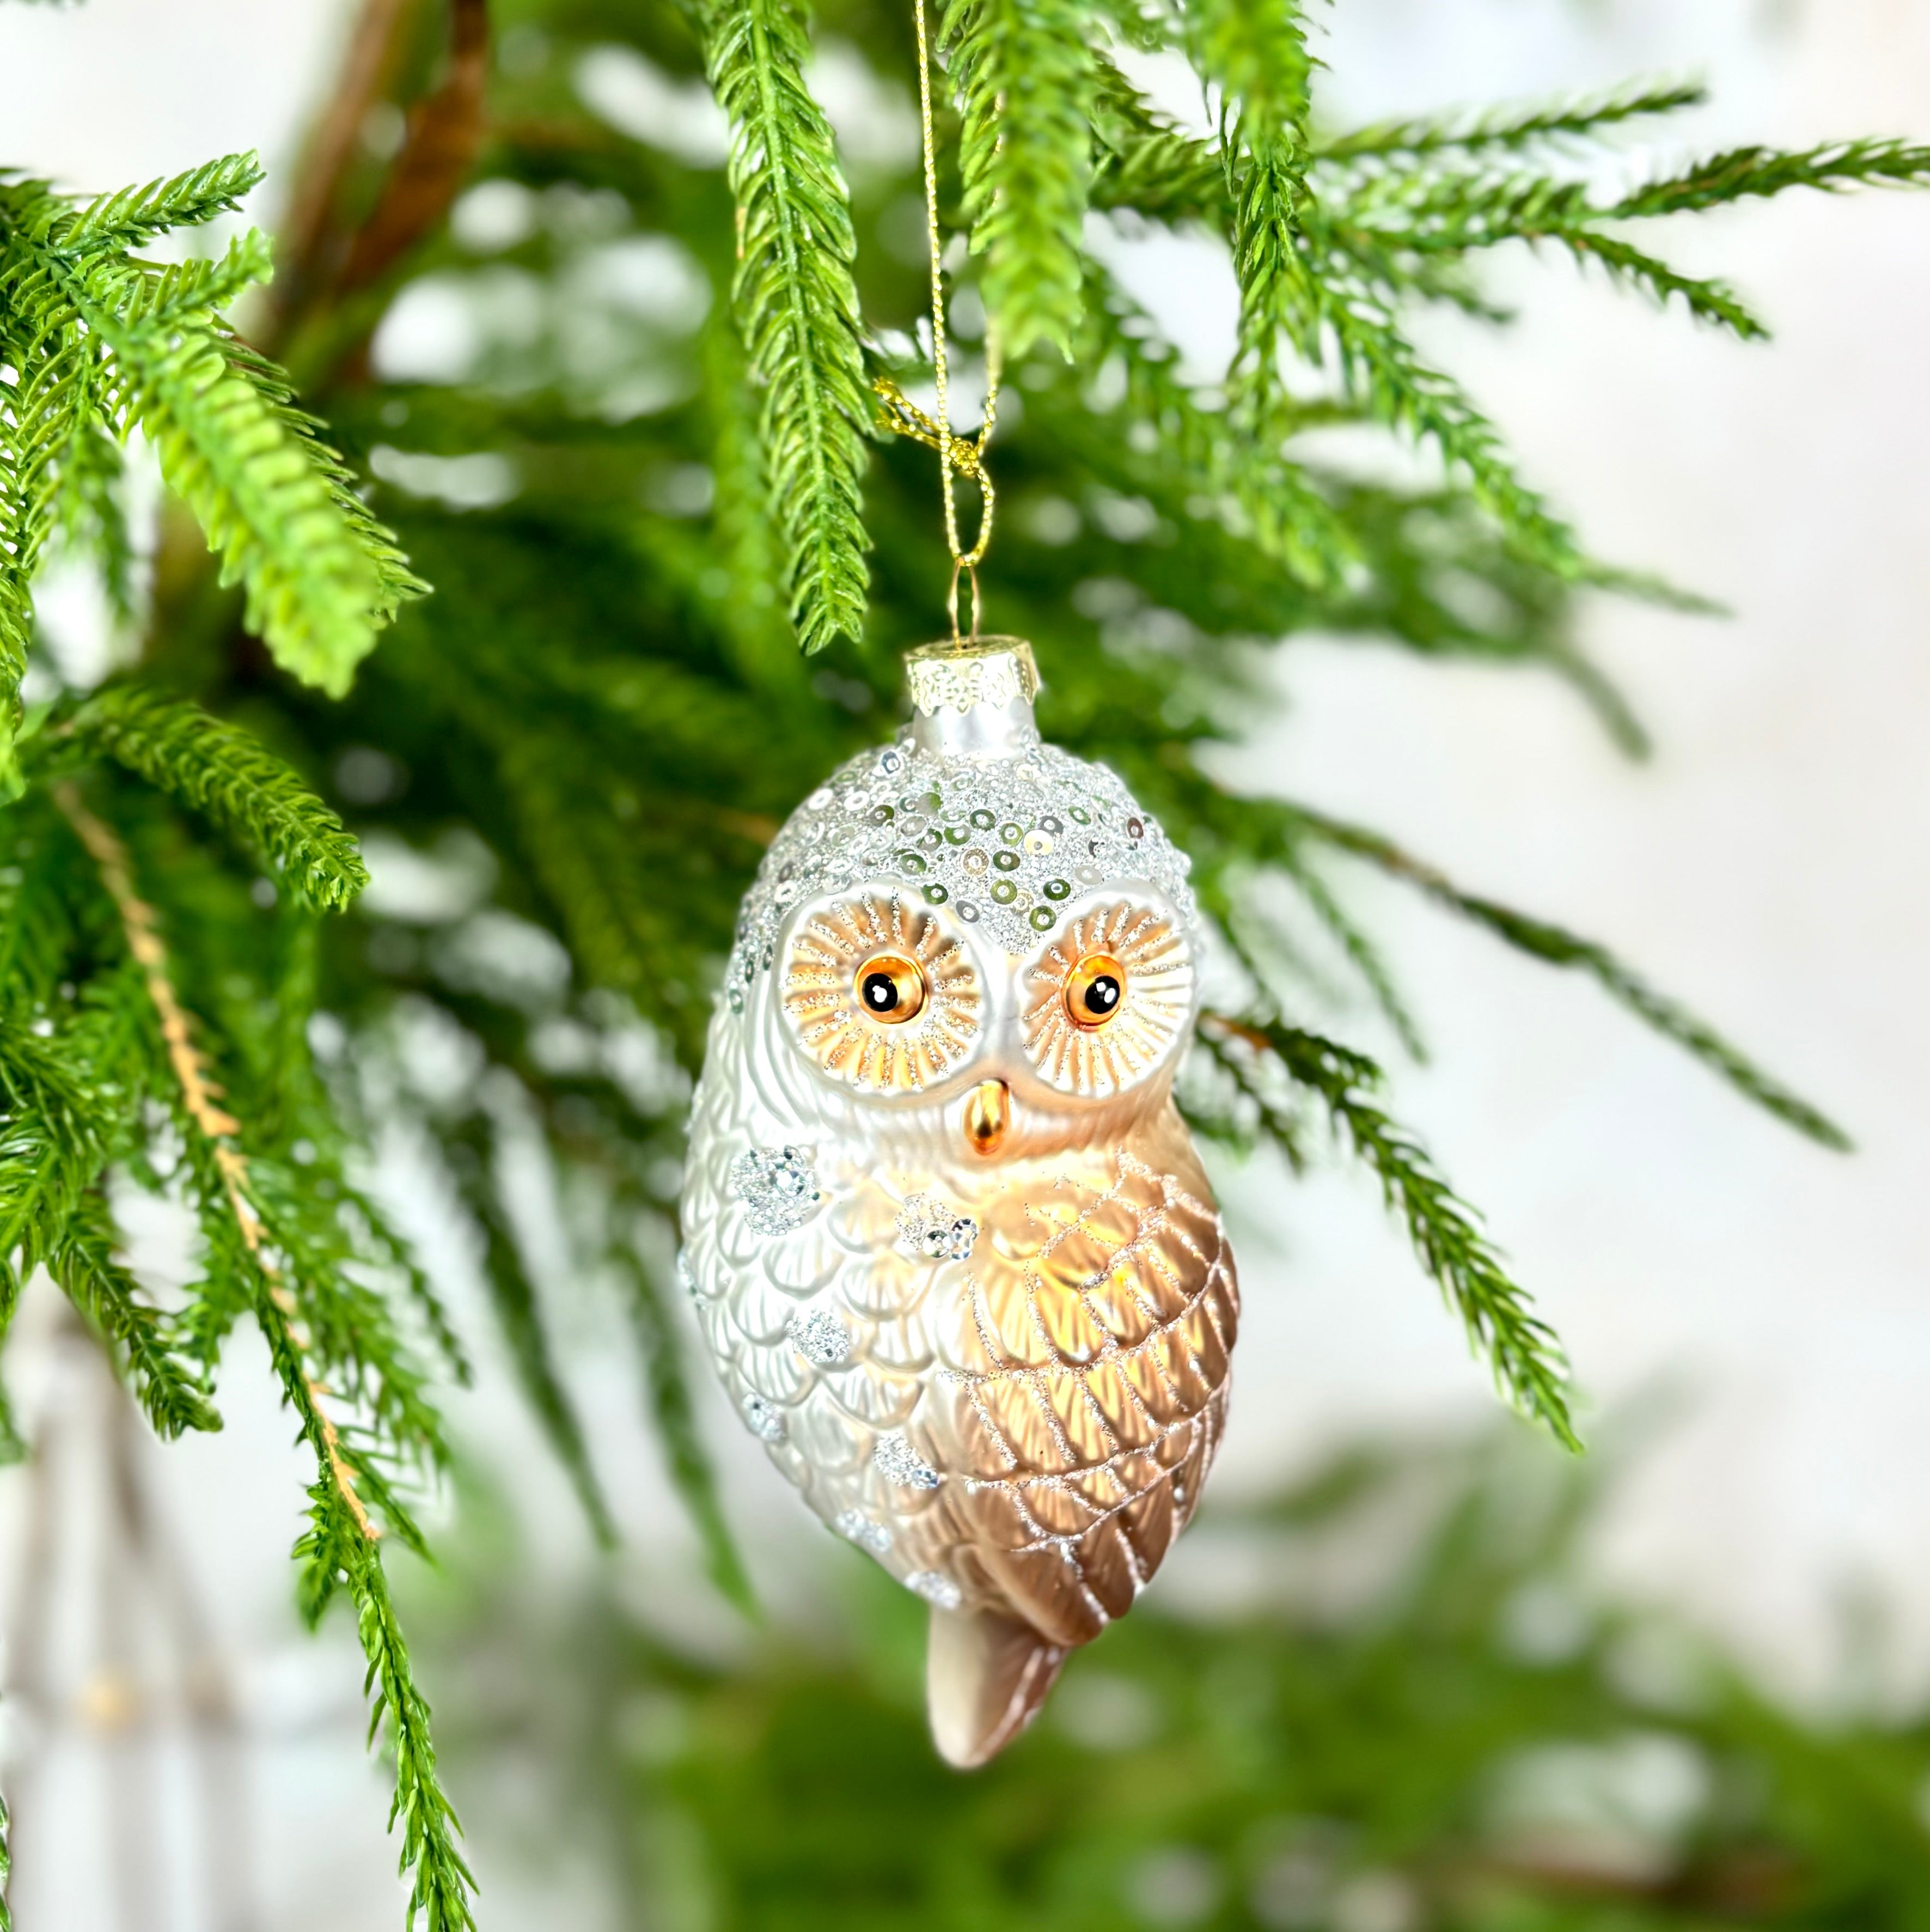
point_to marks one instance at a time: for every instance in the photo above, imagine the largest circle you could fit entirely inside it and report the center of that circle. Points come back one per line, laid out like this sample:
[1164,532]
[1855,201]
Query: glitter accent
[897,1462]
[763,1420]
[832,845]
[821,1337]
[778,1186]
[863,1531]
[937,1588]
[936,1229]
[687,1279]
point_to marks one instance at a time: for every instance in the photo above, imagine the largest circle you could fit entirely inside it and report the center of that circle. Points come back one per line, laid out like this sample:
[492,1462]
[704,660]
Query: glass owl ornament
[948,1238]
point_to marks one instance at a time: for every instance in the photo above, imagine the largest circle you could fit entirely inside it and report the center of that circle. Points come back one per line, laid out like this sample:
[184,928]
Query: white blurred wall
[1767,866]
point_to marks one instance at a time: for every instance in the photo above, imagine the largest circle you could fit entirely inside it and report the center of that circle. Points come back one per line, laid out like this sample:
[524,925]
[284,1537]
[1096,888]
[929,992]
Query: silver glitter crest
[897,1462]
[936,1230]
[778,1186]
[764,1420]
[936,1588]
[1005,843]
[863,1531]
[821,1337]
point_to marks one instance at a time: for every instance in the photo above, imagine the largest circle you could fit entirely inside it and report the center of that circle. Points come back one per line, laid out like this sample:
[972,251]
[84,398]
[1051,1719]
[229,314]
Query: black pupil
[1102,995]
[881,992]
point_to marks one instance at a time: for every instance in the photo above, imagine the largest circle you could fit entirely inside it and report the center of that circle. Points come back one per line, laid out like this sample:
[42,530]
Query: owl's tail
[985,1677]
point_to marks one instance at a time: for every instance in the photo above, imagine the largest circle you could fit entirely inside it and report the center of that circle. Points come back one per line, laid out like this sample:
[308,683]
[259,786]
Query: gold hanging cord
[964,454]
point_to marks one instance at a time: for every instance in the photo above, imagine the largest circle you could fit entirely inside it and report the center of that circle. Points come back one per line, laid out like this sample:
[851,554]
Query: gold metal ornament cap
[973,698]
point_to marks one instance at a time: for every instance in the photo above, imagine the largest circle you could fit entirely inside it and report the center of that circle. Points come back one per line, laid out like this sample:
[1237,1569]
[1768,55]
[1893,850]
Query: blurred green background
[1407,1693]
[1388,1699]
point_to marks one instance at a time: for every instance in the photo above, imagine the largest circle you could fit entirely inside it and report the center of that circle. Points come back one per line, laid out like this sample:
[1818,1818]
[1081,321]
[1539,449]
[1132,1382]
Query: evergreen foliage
[1416,1709]
[639,498]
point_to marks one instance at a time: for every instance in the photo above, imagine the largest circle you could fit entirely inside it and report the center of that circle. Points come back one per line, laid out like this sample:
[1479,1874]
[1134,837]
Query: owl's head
[975,938]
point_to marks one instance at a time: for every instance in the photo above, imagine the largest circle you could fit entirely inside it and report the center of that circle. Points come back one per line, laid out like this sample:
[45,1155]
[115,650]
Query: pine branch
[276,503]
[1393,232]
[1333,312]
[132,216]
[1256,55]
[1024,74]
[1528,1365]
[1513,128]
[440,1881]
[52,1149]
[342,1535]
[797,306]
[1556,947]
[1255,52]
[226,773]
[85,1263]
[1748,173]
[1707,299]
[675,1415]
[513,1298]
[1280,509]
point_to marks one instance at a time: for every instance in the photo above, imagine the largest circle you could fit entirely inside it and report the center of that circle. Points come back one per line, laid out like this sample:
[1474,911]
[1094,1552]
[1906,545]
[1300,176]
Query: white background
[1767,866]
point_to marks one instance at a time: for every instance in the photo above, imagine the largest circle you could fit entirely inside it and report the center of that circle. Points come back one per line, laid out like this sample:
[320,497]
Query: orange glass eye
[1094,992]
[890,988]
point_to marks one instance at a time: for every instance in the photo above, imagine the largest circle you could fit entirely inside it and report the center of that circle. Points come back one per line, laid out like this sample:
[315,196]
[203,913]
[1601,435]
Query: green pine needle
[1527,1362]
[134,215]
[1024,73]
[276,504]
[86,1264]
[1556,947]
[675,1415]
[1514,128]
[797,305]
[226,773]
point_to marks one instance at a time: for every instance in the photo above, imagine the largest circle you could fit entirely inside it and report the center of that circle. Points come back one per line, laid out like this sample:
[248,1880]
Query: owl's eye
[890,988]
[1095,989]
[880,995]
[1108,1001]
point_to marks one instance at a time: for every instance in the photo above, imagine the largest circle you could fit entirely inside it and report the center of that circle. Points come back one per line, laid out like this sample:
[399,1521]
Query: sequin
[1042,918]
[762,1419]
[1004,892]
[936,1229]
[861,1529]
[986,806]
[821,1337]
[1007,862]
[778,1186]
[1058,889]
[897,1462]
[936,1588]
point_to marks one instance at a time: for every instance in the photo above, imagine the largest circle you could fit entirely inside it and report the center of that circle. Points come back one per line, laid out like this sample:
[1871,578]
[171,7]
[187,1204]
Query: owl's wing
[1089,1360]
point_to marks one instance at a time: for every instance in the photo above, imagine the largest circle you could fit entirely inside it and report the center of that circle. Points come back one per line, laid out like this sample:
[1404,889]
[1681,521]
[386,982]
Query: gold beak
[988,1116]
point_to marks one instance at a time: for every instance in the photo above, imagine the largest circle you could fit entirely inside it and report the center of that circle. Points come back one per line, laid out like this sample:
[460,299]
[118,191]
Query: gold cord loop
[964,455]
